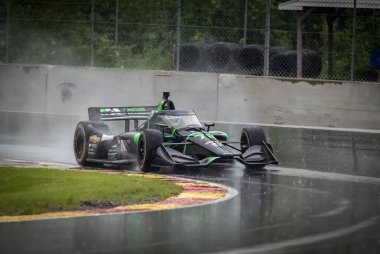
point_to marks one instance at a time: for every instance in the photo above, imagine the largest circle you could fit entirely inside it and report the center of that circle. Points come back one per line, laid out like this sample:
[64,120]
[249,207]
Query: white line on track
[306,173]
[312,239]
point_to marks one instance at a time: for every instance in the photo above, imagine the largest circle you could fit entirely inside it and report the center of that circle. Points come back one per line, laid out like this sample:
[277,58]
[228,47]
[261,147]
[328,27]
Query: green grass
[37,190]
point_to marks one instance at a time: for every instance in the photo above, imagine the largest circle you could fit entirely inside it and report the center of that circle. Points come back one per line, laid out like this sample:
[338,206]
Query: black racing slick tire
[81,137]
[251,136]
[149,140]
[83,131]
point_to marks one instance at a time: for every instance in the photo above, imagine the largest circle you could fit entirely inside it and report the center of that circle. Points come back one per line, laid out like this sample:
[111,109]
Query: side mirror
[209,124]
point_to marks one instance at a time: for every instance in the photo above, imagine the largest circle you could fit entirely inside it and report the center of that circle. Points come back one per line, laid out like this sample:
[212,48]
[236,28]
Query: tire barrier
[276,50]
[223,57]
[220,57]
[217,57]
[285,64]
[192,57]
[251,59]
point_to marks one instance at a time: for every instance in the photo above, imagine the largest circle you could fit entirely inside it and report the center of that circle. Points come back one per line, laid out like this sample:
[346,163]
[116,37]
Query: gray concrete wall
[289,101]
[40,106]
[23,88]
[70,91]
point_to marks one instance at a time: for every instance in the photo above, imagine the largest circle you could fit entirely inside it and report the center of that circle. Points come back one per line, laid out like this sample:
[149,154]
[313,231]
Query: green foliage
[60,32]
[106,53]
[34,191]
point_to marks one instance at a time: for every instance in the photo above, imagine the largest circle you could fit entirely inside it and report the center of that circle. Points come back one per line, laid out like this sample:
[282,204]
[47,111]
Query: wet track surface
[277,210]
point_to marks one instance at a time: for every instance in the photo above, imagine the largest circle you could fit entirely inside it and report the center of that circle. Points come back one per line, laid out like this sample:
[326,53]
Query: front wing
[258,155]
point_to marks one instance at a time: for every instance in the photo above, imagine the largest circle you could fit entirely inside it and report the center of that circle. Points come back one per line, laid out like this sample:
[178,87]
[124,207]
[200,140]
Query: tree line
[143,34]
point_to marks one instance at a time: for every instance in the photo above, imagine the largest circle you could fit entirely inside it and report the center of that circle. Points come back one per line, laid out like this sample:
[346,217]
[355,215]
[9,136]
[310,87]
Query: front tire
[149,140]
[251,136]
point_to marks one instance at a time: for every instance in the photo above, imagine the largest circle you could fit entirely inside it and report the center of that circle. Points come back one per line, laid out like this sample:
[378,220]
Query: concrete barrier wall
[40,105]
[69,90]
[73,90]
[23,88]
[289,101]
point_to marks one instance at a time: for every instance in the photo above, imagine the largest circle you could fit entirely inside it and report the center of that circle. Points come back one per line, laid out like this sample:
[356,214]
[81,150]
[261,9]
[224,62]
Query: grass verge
[36,190]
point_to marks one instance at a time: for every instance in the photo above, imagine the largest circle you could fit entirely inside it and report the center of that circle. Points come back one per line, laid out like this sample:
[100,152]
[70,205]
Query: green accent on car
[184,149]
[210,159]
[161,105]
[102,110]
[210,136]
[134,110]
[220,133]
[136,137]
[170,135]
[196,134]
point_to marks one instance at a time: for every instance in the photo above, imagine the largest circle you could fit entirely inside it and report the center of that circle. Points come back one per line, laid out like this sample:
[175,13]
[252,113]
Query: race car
[165,137]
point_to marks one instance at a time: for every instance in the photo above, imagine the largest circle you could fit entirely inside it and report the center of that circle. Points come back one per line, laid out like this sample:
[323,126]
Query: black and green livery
[163,136]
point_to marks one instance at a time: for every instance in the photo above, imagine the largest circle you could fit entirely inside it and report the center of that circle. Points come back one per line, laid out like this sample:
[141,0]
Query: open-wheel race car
[165,137]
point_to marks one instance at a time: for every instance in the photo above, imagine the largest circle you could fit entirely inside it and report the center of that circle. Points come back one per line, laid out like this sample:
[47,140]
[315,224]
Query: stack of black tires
[223,57]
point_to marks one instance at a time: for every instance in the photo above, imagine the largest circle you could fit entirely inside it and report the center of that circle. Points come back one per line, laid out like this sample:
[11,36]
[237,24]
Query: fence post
[117,24]
[267,37]
[92,33]
[178,33]
[299,45]
[7,36]
[245,22]
[301,16]
[353,42]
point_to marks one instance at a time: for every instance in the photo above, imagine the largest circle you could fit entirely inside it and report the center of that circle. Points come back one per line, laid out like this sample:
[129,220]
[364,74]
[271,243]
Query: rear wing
[120,113]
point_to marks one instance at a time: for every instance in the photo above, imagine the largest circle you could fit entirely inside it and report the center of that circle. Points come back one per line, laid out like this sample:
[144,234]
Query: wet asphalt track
[278,210]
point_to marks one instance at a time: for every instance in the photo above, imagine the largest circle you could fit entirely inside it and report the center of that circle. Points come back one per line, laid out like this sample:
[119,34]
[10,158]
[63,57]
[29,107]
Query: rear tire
[251,136]
[81,144]
[149,140]
[81,140]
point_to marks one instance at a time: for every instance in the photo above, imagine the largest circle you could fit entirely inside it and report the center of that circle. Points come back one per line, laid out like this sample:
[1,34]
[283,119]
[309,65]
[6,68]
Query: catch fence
[338,39]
